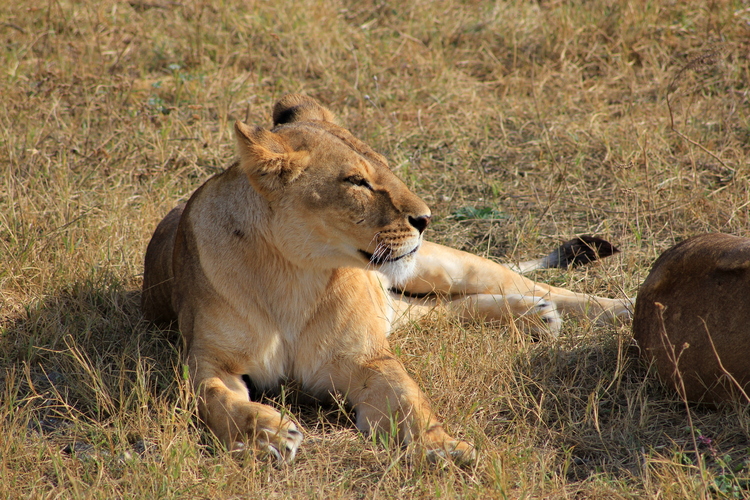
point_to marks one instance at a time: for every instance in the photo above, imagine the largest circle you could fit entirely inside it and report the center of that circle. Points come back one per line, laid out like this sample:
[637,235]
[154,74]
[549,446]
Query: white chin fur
[399,271]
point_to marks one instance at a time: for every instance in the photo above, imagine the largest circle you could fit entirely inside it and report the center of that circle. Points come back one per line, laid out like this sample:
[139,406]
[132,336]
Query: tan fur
[692,317]
[281,268]
[478,288]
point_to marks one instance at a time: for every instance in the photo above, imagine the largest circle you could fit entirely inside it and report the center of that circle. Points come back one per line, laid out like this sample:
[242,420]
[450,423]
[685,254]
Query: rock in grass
[692,317]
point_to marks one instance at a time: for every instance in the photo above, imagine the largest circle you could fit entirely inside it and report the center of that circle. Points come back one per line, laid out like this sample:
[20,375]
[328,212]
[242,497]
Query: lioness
[282,267]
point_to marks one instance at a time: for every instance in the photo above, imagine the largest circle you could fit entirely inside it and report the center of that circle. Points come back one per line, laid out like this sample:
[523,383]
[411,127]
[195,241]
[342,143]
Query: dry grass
[551,113]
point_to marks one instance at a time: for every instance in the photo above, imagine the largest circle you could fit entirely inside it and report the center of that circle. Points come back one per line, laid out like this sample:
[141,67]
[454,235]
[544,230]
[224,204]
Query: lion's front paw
[459,452]
[281,443]
[275,435]
[541,314]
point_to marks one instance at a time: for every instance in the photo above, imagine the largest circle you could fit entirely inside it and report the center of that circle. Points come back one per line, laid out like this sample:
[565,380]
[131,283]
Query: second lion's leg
[446,271]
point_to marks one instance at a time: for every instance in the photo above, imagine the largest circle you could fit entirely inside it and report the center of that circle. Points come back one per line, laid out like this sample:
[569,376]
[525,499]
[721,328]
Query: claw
[237,447]
[273,451]
[460,453]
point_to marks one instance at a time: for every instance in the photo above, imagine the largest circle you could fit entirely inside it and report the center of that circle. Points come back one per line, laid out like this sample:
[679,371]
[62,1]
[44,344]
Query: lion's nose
[420,222]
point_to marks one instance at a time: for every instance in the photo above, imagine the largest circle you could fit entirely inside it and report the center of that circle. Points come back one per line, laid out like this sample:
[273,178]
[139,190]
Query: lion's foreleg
[225,407]
[388,401]
[536,313]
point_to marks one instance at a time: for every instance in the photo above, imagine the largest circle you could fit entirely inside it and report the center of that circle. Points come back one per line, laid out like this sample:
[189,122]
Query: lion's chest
[293,338]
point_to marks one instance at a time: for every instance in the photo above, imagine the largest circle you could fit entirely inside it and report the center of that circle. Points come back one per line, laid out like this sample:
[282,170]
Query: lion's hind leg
[156,299]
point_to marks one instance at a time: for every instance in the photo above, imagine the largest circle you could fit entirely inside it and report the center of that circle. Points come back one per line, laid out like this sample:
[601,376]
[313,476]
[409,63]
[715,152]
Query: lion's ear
[267,159]
[300,108]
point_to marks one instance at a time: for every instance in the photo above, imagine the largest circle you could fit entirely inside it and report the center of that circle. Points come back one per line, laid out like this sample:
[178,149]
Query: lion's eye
[358,181]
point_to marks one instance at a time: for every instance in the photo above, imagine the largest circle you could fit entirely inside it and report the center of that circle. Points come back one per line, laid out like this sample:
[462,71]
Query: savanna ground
[520,123]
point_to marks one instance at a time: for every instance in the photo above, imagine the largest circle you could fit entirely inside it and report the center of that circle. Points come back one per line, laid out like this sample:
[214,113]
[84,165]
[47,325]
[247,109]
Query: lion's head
[333,201]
